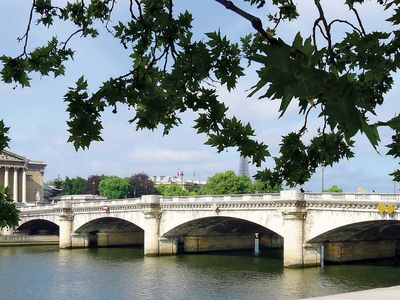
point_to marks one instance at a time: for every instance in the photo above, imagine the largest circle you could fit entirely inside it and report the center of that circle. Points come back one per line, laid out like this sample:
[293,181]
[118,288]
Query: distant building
[178,180]
[23,177]
[244,167]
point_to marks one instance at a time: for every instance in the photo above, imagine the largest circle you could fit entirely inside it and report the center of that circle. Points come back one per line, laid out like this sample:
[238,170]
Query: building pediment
[11,157]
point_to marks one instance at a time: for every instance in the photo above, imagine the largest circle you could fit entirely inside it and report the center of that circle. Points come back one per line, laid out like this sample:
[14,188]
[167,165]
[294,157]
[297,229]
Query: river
[45,272]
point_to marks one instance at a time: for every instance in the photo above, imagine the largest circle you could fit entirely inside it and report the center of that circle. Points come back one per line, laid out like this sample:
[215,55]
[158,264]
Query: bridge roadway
[309,226]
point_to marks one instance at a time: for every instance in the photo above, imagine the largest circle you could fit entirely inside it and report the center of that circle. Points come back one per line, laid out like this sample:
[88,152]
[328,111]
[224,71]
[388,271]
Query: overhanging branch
[255,22]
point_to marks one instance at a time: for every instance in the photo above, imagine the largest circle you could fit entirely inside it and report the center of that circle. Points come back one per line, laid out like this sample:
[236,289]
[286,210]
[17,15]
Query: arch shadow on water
[225,234]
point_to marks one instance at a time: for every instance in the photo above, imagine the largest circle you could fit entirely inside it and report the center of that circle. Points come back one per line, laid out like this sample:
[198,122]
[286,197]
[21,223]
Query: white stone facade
[23,177]
[178,180]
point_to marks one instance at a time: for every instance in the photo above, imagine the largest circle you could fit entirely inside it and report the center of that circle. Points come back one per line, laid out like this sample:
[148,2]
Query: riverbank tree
[334,189]
[8,212]
[114,187]
[140,184]
[226,183]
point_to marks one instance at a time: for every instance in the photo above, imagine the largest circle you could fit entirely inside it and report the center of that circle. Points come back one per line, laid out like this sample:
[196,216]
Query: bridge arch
[39,227]
[222,233]
[361,231]
[270,219]
[340,219]
[135,218]
[108,224]
[361,241]
[110,231]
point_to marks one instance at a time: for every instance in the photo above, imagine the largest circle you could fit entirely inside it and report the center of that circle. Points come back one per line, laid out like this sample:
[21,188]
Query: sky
[37,115]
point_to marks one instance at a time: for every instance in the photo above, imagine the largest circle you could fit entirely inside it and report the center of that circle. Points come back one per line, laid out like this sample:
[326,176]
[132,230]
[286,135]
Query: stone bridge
[310,227]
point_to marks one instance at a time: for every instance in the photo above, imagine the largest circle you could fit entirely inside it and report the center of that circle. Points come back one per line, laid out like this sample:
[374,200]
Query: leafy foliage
[140,184]
[343,77]
[4,139]
[56,187]
[73,186]
[91,185]
[265,187]
[334,189]
[114,187]
[8,213]
[227,183]
[173,189]
[58,183]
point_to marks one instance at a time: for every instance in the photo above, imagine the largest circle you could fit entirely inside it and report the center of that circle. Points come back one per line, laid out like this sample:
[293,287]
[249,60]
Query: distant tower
[244,167]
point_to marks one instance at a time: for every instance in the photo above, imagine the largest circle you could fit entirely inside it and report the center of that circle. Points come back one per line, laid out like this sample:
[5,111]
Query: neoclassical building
[22,176]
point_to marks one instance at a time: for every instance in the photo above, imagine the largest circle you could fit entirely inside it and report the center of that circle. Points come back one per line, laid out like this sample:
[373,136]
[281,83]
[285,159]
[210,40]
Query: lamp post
[93,188]
[322,178]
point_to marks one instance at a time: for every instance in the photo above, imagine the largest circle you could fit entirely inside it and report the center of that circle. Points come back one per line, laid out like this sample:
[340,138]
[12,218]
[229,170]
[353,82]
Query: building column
[24,186]
[15,185]
[293,239]
[5,176]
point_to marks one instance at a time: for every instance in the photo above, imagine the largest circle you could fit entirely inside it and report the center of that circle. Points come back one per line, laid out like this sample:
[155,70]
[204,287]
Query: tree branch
[304,128]
[358,19]
[26,35]
[70,37]
[326,26]
[255,22]
[345,22]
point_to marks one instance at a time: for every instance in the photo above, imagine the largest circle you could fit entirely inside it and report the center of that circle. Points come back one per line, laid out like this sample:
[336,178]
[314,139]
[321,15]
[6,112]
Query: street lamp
[93,188]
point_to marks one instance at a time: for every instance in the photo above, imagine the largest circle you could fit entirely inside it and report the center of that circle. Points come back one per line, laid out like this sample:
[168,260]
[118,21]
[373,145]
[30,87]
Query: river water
[45,272]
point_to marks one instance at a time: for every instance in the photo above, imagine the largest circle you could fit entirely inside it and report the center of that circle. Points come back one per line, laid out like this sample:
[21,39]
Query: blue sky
[37,114]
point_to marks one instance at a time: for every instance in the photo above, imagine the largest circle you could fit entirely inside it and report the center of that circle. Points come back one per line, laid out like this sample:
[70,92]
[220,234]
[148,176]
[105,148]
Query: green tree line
[115,187]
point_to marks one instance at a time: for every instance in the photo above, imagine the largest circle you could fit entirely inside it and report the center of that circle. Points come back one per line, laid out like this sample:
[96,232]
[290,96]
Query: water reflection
[124,273]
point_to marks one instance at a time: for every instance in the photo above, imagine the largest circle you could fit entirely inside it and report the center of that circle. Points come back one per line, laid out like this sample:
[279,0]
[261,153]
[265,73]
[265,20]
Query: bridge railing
[283,196]
[112,202]
[220,198]
[369,197]
[38,208]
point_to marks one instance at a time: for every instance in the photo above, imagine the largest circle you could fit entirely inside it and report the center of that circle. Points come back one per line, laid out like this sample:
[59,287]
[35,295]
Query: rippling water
[44,272]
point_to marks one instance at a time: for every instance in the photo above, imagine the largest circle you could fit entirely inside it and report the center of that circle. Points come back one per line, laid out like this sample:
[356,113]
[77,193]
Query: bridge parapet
[284,198]
[352,197]
[222,198]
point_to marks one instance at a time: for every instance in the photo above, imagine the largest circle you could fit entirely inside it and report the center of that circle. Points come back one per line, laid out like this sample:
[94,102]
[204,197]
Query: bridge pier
[66,219]
[296,252]
[293,239]
[66,230]
[152,215]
